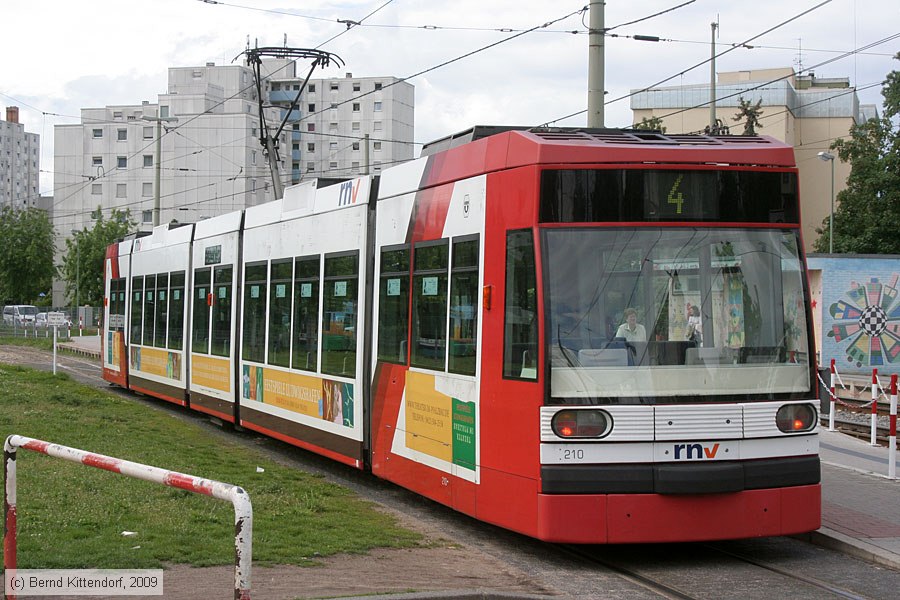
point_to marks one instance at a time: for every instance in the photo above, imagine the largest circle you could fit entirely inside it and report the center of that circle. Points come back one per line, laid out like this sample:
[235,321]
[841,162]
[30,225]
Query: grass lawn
[72,516]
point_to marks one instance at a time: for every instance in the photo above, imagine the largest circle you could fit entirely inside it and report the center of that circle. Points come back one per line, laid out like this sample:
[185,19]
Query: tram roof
[483,149]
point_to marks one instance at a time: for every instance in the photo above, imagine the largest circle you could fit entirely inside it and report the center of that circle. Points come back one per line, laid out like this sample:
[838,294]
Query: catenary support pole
[595,64]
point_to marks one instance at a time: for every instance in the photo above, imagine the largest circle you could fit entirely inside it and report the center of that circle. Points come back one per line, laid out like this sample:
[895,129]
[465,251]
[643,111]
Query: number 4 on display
[675,197]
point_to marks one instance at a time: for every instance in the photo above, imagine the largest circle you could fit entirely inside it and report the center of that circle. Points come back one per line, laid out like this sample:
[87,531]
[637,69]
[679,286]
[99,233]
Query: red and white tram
[457,325]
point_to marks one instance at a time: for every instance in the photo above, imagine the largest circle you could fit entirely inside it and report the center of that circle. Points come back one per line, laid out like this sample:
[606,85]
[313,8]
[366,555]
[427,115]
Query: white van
[19,314]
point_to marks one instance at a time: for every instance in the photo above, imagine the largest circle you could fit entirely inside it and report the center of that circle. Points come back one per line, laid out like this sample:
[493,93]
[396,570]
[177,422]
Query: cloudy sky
[61,56]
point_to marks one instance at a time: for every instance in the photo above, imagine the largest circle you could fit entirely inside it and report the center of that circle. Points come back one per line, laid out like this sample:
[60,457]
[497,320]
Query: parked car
[19,314]
[40,320]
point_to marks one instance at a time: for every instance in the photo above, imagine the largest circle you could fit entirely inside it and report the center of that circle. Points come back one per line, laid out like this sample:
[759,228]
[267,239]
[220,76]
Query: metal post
[243,510]
[831,218]
[54,349]
[892,440]
[158,169]
[366,154]
[595,64]
[712,80]
[874,442]
[831,410]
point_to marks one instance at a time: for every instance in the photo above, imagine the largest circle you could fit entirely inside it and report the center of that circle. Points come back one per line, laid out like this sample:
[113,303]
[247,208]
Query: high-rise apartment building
[20,163]
[210,158]
[802,110]
[334,119]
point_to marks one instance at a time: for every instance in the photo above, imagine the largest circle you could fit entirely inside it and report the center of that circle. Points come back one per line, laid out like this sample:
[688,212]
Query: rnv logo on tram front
[697,451]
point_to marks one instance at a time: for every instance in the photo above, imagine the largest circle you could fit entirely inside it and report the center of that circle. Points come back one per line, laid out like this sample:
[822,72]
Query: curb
[64,347]
[833,540]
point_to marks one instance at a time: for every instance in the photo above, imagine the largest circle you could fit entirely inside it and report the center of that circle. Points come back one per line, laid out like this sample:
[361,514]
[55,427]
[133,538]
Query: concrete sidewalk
[860,505]
[87,345]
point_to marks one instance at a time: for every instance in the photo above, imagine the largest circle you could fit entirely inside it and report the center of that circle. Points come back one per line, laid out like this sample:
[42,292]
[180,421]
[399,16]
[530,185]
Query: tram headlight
[794,418]
[581,423]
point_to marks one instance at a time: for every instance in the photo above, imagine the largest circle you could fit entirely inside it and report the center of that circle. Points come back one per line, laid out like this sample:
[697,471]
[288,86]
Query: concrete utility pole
[712,80]
[157,166]
[595,64]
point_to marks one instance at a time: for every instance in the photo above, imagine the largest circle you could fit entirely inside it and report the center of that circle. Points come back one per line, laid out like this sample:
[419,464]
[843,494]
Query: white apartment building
[333,116]
[210,157]
[20,163]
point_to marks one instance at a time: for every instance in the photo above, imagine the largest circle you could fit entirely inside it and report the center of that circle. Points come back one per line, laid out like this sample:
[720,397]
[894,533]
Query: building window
[356,145]
[310,147]
[120,190]
[148,133]
[163,111]
[333,165]
[97,161]
[146,189]
[312,88]
[334,105]
[252,185]
[197,74]
[378,107]
[294,127]
[96,189]
[334,86]
[376,126]
[310,126]
[311,108]
[355,86]
[148,160]
[97,133]
[122,134]
[356,107]
[117,115]
[332,145]
[295,147]
[147,216]
[121,162]
[310,167]
[377,85]
[355,166]
[377,165]
[253,157]
[376,145]
[355,127]
[332,127]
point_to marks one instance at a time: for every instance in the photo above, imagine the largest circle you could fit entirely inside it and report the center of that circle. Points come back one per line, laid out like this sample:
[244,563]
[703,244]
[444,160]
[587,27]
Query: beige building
[807,112]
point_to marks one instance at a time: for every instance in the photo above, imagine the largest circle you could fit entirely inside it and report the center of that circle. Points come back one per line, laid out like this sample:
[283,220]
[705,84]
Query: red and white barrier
[831,410]
[892,439]
[243,511]
[874,441]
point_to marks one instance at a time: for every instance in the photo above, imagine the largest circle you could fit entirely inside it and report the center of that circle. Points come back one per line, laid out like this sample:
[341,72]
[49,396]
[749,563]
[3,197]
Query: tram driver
[631,330]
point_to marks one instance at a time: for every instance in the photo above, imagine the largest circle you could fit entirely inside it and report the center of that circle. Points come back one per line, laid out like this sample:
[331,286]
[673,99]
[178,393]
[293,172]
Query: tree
[651,124]
[749,113]
[868,209]
[82,266]
[26,254]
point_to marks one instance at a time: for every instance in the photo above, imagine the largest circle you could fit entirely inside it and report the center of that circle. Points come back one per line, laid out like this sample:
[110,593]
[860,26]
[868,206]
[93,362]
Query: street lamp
[828,156]
[159,121]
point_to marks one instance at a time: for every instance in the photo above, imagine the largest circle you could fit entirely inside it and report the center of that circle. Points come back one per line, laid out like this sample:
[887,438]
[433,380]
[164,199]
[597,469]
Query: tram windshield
[674,314]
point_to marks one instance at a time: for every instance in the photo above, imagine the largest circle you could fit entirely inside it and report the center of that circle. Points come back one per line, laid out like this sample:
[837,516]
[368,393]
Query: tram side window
[221,311]
[306,313]
[253,345]
[280,313]
[339,315]
[149,308]
[200,319]
[176,311]
[520,332]
[120,306]
[429,305]
[393,305]
[464,307]
[161,310]
[137,308]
